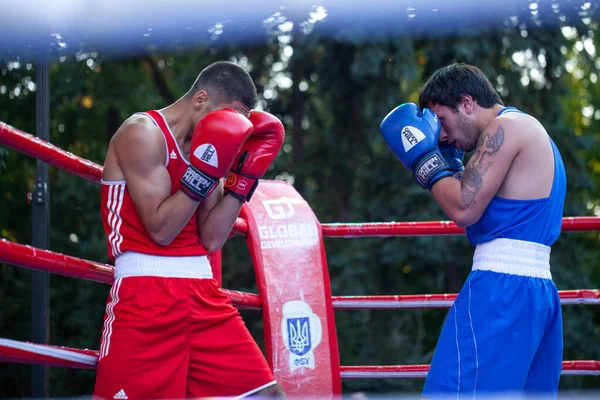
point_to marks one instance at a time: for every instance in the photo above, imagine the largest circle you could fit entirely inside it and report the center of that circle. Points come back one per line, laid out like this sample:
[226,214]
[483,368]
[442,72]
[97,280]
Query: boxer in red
[169,332]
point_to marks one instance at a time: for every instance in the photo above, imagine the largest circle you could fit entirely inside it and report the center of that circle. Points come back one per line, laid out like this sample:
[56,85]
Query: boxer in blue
[503,334]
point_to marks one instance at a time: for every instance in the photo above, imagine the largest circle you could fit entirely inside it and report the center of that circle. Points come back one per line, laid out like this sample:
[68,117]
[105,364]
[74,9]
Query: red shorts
[174,337]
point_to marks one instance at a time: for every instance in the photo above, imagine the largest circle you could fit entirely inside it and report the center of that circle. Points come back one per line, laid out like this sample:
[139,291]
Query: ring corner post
[40,219]
[288,253]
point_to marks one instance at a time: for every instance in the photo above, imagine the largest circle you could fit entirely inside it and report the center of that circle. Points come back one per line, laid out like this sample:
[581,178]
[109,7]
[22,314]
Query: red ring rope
[30,257]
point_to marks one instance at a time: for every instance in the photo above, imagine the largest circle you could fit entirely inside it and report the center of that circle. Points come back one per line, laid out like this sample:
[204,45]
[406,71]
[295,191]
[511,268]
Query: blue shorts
[504,331]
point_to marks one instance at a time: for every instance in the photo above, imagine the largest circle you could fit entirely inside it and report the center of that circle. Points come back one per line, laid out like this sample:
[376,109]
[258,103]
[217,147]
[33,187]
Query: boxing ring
[285,241]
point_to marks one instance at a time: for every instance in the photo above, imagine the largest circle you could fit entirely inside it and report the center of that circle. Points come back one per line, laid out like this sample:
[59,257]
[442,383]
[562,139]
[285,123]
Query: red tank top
[122,224]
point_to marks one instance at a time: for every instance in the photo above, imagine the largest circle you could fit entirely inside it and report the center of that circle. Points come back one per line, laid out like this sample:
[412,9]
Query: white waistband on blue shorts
[131,263]
[516,257]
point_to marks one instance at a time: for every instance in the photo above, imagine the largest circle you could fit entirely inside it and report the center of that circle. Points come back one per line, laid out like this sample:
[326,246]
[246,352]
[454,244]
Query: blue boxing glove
[413,137]
[454,157]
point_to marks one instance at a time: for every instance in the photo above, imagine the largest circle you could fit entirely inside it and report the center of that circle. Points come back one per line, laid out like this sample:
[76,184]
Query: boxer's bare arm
[465,201]
[140,154]
[216,217]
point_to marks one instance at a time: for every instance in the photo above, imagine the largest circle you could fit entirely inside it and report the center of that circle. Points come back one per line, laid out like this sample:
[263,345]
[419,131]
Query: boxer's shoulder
[516,130]
[523,126]
[138,139]
[139,126]
[137,132]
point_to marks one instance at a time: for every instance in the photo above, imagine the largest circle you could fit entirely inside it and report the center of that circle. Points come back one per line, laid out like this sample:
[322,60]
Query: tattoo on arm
[472,180]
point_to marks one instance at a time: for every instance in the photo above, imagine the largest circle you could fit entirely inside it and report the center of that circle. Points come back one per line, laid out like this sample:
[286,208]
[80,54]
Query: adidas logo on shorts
[120,395]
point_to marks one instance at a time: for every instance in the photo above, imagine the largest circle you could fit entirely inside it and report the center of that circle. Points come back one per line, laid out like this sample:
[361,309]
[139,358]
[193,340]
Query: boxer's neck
[180,120]
[486,116]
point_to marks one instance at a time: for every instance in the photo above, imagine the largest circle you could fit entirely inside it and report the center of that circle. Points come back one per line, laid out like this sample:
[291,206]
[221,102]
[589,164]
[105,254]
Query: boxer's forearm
[448,193]
[167,221]
[215,229]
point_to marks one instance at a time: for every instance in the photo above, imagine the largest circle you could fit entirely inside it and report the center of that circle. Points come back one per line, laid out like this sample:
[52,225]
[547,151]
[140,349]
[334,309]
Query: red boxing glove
[256,155]
[216,141]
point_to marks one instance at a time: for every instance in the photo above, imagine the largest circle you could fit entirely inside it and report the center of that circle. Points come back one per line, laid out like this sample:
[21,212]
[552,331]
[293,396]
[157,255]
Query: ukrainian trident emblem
[301,331]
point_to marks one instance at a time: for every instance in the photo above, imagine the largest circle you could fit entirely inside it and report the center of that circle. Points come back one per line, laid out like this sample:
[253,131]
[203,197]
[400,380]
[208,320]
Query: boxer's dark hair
[447,85]
[226,82]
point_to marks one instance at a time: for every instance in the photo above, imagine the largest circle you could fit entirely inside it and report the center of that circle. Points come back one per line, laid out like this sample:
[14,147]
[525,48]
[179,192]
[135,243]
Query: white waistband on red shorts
[516,257]
[131,263]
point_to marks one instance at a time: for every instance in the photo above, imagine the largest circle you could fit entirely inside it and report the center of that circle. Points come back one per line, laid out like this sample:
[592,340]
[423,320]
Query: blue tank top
[537,220]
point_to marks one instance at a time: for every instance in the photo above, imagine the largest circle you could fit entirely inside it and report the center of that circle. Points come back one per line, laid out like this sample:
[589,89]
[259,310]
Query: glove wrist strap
[197,184]
[240,186]
[431,168]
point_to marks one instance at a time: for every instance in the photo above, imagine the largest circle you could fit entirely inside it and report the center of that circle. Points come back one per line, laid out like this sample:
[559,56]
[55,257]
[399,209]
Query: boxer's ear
[200,99]
[467,102]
